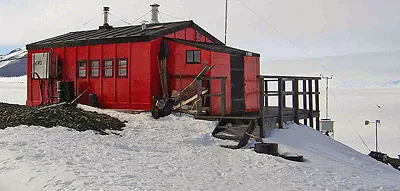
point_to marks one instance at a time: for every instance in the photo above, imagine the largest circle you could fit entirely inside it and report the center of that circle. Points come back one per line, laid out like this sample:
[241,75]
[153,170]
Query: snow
[13,90]
[178,153]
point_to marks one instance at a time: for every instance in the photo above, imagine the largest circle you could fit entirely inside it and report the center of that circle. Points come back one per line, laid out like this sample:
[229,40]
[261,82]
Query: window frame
[193,58]
[78,68]
[118,68]
[104,68]
[91,68]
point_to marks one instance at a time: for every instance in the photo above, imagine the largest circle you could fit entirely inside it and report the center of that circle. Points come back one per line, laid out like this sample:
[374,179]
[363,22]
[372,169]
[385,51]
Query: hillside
[371,69]
[14,63]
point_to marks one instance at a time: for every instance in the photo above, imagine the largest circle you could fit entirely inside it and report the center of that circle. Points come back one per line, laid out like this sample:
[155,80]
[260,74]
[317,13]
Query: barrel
[65,91]
[93,100]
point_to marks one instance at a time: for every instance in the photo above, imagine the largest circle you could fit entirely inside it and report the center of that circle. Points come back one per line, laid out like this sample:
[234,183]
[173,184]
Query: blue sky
[7,48]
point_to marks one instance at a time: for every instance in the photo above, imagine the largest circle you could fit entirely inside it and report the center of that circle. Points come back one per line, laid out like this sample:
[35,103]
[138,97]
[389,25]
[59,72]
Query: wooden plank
[295,88]
[305,98]
[213,77]
[211,117]
[199,98]
[317,104]
[288,77]
[283,93]
[310,103]
[266,94]
[280,103]
[261,107]
[223,96]
[180,104]
[203,71]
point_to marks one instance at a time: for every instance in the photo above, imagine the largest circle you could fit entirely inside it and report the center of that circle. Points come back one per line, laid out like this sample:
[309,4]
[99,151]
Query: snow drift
[178,153]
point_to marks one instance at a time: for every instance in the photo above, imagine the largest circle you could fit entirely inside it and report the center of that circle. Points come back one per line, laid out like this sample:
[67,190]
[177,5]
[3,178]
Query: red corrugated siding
[132,92]
[251,95]
[189,34]
[177,64]
[221,68]
[143,82]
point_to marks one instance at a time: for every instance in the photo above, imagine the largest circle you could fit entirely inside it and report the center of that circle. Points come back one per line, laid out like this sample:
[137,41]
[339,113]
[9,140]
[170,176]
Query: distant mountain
[390,84]
[361,70]
[14,63]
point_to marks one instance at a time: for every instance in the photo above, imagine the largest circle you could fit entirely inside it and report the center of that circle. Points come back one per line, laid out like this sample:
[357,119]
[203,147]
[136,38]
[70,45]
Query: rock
[12,115]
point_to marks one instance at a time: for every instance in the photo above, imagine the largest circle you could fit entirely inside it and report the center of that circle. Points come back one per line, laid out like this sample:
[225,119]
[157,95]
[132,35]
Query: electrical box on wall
[327,125]
[40,65]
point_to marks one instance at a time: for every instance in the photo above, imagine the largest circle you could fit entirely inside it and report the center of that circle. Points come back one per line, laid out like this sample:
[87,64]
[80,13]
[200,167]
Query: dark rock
[12,115]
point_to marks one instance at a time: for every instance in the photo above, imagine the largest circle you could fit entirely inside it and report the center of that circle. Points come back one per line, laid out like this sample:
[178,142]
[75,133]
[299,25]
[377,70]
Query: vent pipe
[105,24]
[105,10]
[154,13]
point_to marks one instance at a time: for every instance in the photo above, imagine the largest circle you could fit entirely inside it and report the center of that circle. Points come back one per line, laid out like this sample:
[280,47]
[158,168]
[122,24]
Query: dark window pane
[122,63]
[122,72]
[196,56]
[108,72]
[95,72]
[95,64]
[82,73]
[108,64]
[189,56]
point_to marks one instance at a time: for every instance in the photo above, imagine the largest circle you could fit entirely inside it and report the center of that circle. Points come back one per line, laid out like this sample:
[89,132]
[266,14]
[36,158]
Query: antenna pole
[226,18]
[327,93]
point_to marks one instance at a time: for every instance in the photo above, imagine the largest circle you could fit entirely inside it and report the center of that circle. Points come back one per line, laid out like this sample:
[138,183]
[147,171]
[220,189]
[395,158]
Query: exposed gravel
[12,115]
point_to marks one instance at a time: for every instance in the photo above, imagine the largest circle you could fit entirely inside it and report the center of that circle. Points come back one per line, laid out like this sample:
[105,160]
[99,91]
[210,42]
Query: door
[237,84]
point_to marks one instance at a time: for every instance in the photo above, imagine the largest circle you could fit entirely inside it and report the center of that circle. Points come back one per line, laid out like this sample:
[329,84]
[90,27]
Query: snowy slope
[178,153]
[14,63]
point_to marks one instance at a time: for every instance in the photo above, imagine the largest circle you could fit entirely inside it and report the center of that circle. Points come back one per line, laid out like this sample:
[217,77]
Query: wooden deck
[270,113]
[303,93]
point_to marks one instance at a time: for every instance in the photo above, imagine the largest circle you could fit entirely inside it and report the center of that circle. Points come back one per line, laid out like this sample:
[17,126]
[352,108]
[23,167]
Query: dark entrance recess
[237,84]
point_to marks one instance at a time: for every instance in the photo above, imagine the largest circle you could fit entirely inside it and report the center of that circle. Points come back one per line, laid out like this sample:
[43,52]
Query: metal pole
[376,135]
[326,95]
[226,18]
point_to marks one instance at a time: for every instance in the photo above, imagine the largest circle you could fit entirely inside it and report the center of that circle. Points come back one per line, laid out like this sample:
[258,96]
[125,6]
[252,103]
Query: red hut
[121,66]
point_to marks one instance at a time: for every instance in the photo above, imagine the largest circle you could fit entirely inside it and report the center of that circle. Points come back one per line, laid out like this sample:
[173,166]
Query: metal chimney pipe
[154,13]
[106,9]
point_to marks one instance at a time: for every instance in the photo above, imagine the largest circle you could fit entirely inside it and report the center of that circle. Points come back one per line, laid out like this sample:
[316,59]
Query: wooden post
[317,103]
[266,93]
[295,89]
[305,99]
[261,112]
[280,102]
[310,103]
[223,96]
[284,93]
[199,99]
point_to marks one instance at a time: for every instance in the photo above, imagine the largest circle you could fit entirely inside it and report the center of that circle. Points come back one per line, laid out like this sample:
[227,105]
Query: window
[108,68]
[122,68]
[95,68]
[193,56]
[81,68]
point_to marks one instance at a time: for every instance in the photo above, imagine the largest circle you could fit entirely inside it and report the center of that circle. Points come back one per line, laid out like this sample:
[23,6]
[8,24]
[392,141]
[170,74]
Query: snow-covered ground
[13,90]
[178,153]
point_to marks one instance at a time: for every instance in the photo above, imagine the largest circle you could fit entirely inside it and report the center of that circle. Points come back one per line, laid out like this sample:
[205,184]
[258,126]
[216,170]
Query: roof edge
[216,48]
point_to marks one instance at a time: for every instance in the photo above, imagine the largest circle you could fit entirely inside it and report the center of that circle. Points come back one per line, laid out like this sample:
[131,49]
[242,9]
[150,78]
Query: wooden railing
[309,94]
